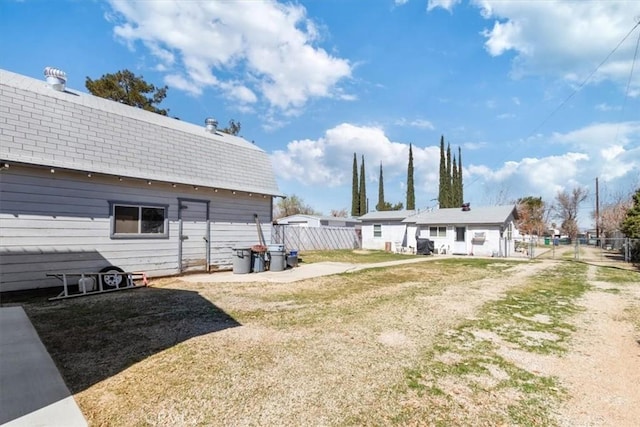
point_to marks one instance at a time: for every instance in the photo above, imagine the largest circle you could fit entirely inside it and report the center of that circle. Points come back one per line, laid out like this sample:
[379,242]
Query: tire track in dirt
[602,368]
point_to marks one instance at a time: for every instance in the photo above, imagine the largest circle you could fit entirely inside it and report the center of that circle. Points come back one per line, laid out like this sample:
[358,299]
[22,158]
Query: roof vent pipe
[466,207]
[211,125]
[56,79]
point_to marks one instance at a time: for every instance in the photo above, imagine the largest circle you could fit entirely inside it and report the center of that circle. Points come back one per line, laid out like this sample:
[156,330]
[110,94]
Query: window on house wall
[437,231]
[129,220]
[377,230]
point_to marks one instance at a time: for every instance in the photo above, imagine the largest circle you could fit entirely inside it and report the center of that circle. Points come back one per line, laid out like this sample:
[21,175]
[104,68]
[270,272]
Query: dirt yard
[447,342]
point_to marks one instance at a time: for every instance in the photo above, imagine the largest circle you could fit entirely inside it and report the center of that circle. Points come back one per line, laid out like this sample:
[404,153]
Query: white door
[194,235]
[460,243]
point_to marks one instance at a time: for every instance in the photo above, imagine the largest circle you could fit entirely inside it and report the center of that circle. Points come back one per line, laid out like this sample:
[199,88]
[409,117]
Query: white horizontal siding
[61,223]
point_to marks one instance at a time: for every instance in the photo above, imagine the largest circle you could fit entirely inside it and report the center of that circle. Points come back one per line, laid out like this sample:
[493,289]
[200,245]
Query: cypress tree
[363,190]
[460,186]
[381,205]
[411,194]
[442,188]
[449,185]
[454,184]
[355,194]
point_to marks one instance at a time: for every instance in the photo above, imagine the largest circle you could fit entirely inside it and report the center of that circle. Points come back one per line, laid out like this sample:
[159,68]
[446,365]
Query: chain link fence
[605,250]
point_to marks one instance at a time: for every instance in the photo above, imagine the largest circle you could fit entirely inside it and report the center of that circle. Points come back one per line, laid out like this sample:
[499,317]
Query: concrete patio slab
[32,391]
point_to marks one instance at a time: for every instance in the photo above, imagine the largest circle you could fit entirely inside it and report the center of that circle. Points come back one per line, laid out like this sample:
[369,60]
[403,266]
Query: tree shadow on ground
[93,338]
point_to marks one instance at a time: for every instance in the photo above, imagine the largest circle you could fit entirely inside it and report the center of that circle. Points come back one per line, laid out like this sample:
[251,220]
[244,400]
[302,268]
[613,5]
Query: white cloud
[516,100]
[563,38]
[610,151]
[327,161]
[444,4]
[614,147]
[418,123]
[262,51]
[606,107]
[504,116]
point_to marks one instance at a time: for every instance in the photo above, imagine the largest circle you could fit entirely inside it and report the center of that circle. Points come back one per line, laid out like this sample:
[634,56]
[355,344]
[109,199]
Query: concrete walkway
[302,272]
[32,392]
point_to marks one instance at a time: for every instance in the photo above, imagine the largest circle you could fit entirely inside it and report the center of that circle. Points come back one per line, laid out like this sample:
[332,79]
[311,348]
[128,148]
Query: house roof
[321,218]
[79,131]
[479,215]
[387,215]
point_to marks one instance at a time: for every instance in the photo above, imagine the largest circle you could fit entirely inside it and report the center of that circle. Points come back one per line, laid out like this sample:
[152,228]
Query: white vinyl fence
[315,238]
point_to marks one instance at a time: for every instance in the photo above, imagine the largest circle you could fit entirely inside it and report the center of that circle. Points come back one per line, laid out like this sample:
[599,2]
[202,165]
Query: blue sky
[519,86]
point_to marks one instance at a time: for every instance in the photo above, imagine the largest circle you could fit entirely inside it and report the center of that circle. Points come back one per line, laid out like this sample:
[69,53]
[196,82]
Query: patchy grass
[408,345]
[352,256]
[450,385]
[616,275]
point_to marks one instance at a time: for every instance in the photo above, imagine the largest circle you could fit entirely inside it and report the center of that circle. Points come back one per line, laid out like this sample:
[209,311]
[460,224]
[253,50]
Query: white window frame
[377,230]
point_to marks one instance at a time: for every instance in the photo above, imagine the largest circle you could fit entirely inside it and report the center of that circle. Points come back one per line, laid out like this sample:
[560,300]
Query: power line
[584,82]
[626,93]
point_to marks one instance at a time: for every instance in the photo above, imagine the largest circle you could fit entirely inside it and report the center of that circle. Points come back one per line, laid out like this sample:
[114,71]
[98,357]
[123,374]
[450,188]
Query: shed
[382,229]
[89,183]
[301,220]
[487,231]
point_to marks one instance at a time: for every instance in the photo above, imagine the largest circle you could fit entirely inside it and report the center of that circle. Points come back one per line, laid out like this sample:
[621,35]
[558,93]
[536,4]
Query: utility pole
[597,213]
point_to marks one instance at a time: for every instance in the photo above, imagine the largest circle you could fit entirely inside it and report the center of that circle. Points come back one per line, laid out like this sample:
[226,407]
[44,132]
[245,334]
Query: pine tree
[363,190]
[355,194]
[411,194]
[381,205]
[442,189]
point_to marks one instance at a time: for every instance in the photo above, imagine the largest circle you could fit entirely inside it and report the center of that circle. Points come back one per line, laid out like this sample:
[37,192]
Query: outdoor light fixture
[174,185]
[233,192]
[53,170]
[195,188]
[149,182]
[120,178]
[89,174]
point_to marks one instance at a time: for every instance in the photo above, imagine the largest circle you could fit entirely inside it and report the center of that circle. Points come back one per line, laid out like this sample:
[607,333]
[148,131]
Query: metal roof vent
[211,124]
[56,79]
[466,207]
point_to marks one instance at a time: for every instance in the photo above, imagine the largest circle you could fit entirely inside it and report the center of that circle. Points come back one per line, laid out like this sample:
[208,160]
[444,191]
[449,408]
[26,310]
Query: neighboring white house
[385,230]
[485,231]
[89,184]
[317,221]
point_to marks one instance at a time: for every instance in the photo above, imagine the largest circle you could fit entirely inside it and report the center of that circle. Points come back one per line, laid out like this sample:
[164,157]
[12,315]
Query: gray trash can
[278,260]
[241,260]
[258,261]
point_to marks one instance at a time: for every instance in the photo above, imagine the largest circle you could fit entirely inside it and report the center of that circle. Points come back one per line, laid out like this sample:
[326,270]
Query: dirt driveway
[449,342]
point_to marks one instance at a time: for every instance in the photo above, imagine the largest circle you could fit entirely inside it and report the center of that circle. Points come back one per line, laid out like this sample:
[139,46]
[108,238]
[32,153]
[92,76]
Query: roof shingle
[73,130]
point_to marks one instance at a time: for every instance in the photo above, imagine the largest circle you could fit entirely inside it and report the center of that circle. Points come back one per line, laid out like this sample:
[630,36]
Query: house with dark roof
[385,230]
[88,184]
[484,231]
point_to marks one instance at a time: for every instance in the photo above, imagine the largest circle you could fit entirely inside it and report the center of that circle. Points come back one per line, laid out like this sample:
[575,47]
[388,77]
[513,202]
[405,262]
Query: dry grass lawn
[434,343]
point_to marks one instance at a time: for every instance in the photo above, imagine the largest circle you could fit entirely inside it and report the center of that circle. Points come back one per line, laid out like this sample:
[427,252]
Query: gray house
[89,185]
